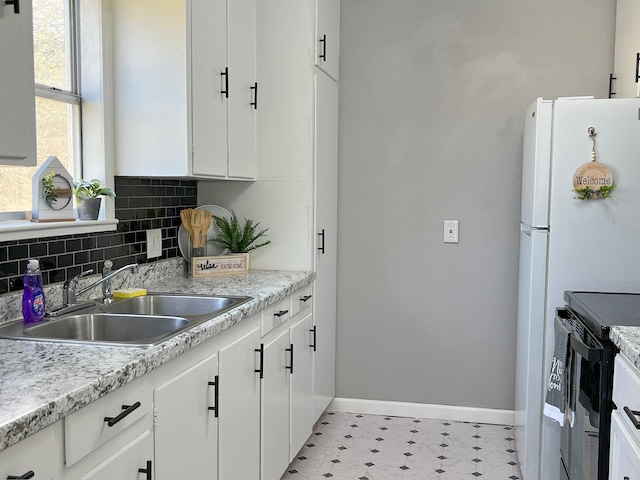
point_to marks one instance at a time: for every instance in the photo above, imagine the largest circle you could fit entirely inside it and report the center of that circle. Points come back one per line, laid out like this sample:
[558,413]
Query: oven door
[585,445]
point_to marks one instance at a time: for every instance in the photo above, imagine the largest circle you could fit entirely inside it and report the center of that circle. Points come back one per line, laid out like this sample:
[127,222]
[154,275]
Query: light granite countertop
[42,382]
[627,339]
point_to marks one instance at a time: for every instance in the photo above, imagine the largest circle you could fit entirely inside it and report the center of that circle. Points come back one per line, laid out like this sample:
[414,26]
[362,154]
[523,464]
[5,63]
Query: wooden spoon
[197,221]
[205,227]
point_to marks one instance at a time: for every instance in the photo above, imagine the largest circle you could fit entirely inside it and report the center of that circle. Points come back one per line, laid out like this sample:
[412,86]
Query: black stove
[600,311]
[590,315]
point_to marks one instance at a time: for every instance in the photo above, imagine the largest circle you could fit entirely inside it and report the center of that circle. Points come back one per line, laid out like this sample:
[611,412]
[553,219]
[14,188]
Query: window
[57,101]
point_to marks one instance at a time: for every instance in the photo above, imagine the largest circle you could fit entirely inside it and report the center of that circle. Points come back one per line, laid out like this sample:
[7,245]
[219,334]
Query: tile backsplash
[141,204]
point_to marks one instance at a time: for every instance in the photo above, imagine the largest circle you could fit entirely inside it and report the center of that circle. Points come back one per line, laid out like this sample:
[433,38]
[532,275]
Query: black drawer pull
[225,74]
[637,67]
[290,367]
[147,470]
[313,345]
[323,55]
[321,249]
[16,9]
[281,313]
[261,369]
[29,474]
[305,299]
[215,383]
[632,416]
[611,80]
[127,409]
[254,104]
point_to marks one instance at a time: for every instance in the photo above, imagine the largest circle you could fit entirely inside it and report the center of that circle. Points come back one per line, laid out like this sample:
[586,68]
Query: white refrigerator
[569,244]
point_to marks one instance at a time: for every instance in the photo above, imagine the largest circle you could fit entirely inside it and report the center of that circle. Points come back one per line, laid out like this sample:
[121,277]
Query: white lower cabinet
[275,406]
[239,404]
[302,336]
[38,455]
[133,462]
[624,461]
[187,423]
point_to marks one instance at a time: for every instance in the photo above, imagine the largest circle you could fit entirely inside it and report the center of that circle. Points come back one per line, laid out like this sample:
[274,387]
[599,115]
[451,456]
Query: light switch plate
[451,231]
[154,243]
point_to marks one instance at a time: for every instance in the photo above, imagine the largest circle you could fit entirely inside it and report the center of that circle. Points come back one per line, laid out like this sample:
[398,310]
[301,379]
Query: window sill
[23,229]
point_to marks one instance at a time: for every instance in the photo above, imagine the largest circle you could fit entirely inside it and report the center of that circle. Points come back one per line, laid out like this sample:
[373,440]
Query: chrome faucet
[70,288]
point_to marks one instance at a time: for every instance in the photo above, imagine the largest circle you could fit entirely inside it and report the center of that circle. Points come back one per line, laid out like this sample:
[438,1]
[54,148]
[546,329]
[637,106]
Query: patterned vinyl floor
[350,446]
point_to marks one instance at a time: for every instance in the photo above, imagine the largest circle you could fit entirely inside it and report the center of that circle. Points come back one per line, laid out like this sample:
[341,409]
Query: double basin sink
[139,321]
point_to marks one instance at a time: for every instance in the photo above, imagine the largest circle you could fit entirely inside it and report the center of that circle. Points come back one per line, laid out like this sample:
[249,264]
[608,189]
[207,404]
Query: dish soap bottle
[33,303]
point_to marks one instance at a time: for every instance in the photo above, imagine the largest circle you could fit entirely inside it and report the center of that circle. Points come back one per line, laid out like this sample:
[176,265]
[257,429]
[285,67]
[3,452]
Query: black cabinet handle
[323,55]
[611,79]
[111,421]
[305,299]
[281,313]
[321,235]
[261,369]
[290,366]
[215,383]
[225,74]
[254,104]
[313,345]
[29,474]
[632,416]
[16,9]
[147,470]
[637,66]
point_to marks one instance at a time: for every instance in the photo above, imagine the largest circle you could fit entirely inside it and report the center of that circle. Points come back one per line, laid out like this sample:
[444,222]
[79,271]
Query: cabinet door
[326,160]
[328,36]
[302,384]
[627,48]
[239,403]
[19,459]
[17,95]
[624,461]
[186,437]
[208,82]
[242,84]
[275,407]
[126,463]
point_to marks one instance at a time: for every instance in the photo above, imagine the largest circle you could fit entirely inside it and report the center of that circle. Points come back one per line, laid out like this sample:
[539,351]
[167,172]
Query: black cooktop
[603,310]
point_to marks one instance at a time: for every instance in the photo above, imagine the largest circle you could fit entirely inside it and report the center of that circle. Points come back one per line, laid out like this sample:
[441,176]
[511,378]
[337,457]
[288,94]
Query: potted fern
[237,237]
[88,199]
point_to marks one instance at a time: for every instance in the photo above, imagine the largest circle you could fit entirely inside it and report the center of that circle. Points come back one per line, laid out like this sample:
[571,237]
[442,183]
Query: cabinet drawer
[37,453]
[95,424]
[275,315]
[302,300]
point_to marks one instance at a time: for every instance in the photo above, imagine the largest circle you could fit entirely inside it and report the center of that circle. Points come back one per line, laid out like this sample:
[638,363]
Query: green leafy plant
[50,193]
[236,237]
[587,194]
[83,189]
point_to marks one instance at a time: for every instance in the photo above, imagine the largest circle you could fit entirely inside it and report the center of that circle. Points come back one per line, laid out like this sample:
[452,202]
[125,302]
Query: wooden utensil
[205,227]
[185,216]
[197,221]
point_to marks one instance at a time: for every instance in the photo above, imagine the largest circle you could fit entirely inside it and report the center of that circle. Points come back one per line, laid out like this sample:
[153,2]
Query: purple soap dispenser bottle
[33,302]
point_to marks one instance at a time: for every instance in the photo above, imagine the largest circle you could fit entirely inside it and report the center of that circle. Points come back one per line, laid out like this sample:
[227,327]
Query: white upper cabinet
[328,36]
[17,95]
[627,53]
[185,88]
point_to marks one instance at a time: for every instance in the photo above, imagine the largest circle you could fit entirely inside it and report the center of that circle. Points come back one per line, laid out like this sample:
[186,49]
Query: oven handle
[588,353]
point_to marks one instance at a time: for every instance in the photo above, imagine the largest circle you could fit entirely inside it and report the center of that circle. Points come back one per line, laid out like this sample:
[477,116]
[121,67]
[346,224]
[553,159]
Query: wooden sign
[590,178]
[221,265]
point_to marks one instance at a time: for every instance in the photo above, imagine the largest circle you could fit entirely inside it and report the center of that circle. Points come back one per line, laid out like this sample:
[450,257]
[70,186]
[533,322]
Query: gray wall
[432,94]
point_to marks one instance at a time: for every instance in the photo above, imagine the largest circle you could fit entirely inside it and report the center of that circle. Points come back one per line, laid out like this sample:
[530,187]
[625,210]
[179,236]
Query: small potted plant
[88,199]
[237,237]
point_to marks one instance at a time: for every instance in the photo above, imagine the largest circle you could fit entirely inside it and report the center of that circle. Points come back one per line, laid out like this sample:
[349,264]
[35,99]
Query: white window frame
[96,93]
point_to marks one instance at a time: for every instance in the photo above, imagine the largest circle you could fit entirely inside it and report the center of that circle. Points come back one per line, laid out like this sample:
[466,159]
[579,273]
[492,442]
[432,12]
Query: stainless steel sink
[108,328]
[191,306]
[138,321]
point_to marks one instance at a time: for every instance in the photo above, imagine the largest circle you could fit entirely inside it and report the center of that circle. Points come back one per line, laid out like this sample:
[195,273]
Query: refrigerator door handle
[528,229]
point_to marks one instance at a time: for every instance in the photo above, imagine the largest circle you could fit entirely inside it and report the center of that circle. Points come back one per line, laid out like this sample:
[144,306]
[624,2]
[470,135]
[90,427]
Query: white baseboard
[423,410]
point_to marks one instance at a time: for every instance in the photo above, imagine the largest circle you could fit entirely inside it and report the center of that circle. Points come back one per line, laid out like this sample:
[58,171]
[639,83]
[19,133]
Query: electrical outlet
[451,231]
[154,243]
